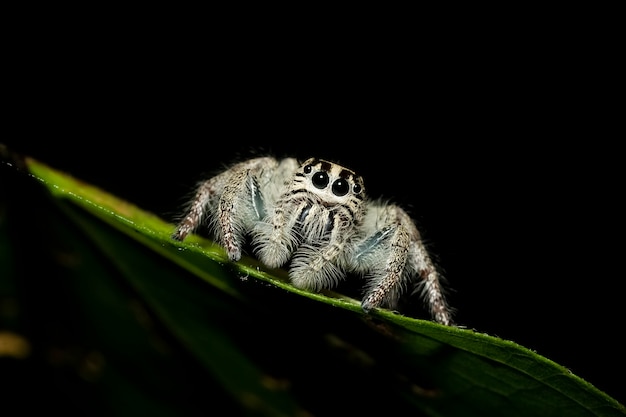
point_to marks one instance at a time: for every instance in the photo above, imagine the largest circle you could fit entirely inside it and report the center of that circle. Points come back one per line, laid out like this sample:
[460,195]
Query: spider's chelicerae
[315,218]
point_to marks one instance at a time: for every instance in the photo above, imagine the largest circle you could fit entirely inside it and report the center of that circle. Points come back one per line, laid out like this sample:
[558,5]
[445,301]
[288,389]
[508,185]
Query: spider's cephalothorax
[315,218]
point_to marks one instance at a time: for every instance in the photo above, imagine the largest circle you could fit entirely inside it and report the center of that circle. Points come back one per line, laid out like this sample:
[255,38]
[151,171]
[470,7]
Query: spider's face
[332,183]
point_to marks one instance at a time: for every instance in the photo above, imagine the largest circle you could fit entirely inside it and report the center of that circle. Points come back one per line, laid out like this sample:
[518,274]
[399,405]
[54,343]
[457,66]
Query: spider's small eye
[320,179]
[340,187]
[356,189]
[307,169]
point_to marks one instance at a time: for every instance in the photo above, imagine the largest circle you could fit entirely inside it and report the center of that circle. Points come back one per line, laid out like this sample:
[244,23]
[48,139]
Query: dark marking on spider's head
[346,174]
[325,165]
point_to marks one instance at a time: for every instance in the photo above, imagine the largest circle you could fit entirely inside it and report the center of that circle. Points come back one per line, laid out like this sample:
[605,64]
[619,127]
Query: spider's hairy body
[315,218]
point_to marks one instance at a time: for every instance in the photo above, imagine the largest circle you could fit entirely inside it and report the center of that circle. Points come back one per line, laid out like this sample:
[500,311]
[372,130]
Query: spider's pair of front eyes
[340,186]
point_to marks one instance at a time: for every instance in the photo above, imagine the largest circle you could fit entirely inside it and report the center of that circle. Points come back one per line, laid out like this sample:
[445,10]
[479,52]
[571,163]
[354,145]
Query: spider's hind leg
[232,202]
[393,258]
[197,209]
[429,285]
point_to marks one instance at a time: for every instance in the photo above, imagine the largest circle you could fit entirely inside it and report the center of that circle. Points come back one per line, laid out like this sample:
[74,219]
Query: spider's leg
[275,238]
[431,289]
[232,201]
[392,255]
[242,204]
[205,194]
[229,211]
[388,261]
[316,263]
[420,264]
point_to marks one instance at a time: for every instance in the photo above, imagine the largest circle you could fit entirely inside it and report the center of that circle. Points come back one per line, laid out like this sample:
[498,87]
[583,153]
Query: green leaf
[272,349]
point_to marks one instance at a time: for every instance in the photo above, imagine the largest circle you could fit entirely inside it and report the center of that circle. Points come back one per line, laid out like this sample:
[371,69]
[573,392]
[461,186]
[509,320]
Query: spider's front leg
[317,264]
[275,238]
[393,255]
[232,202]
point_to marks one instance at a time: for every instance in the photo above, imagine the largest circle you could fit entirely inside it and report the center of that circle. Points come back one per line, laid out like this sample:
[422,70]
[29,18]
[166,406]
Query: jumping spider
[315,218]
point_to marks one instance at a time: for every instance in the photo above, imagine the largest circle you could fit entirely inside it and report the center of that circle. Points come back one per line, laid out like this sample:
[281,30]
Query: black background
[501,154]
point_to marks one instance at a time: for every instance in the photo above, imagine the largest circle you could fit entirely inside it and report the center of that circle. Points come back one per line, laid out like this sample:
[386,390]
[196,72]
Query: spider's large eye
[320,179]
[340,187]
